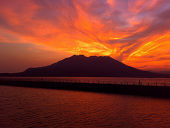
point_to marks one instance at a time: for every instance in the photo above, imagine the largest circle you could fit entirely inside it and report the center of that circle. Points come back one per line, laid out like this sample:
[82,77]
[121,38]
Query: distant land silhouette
[82,66]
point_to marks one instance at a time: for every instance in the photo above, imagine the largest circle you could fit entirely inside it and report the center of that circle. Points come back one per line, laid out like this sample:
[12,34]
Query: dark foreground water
[40,108]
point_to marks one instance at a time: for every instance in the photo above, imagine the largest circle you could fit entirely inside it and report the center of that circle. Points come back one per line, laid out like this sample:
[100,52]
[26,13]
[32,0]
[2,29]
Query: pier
[123,88]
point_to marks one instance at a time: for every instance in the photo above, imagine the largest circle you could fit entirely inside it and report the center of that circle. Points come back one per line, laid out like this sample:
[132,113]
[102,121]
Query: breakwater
[153,91]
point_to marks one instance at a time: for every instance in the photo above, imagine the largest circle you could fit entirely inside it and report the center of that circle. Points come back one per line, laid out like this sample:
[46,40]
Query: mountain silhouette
[82,66]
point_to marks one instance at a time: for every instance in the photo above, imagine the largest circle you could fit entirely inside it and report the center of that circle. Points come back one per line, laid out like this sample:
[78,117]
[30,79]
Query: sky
[36,33]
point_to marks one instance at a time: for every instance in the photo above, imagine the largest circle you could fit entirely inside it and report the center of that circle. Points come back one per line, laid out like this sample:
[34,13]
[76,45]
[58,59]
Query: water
[45,108]
[105,80]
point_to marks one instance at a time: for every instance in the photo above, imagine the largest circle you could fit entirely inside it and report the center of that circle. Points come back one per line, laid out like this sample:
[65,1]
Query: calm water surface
[44,108]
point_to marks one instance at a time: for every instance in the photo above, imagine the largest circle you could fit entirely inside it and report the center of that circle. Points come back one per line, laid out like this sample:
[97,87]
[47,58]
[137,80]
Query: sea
[22,107]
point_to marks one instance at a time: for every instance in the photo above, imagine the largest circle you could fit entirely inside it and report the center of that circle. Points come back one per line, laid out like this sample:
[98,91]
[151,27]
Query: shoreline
[138,90]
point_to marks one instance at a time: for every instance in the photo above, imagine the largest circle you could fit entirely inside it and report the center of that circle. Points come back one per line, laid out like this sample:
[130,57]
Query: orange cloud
[135,32]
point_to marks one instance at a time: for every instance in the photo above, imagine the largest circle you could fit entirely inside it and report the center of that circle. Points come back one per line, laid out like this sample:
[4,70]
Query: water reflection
[29,107]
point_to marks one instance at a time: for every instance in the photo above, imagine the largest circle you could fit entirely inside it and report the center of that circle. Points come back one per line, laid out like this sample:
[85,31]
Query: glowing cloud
[136,32]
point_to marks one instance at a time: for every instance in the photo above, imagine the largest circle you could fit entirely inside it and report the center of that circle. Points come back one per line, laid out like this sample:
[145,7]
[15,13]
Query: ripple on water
[30,107]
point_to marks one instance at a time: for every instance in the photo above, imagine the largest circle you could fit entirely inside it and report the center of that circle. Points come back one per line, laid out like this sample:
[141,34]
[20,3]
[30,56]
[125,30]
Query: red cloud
[133,32]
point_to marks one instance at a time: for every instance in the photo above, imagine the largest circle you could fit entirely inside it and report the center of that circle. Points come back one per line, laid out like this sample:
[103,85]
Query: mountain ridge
[82,66]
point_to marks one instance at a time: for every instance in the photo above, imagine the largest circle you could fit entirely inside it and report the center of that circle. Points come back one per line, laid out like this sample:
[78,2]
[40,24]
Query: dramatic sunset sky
[40,32]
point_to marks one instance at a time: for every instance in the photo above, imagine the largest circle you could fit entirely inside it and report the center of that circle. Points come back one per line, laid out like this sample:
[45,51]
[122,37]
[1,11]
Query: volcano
[82,66]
